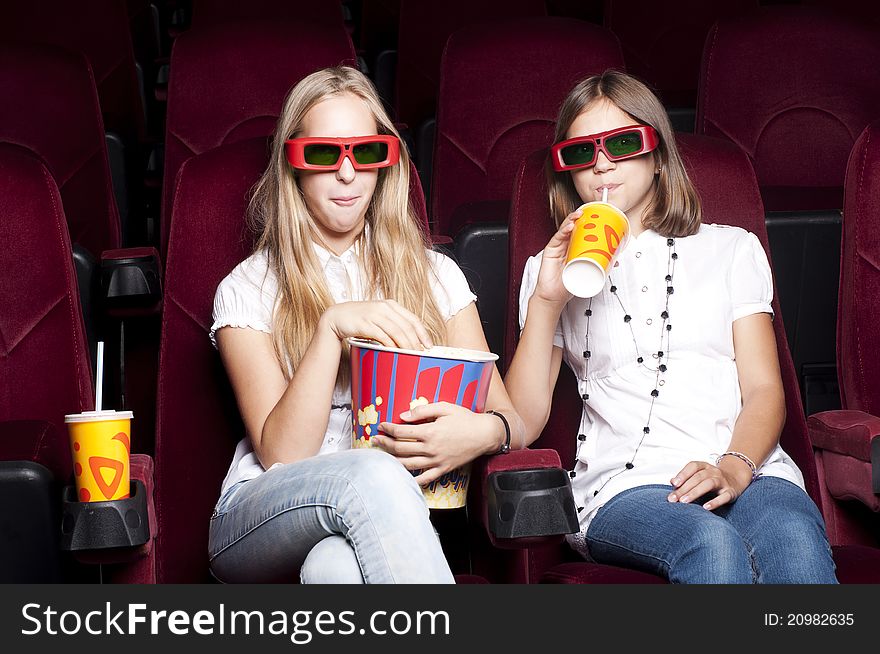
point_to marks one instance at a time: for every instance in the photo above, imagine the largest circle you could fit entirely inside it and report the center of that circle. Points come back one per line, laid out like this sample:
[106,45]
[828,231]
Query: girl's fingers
[418,328]
[724,497]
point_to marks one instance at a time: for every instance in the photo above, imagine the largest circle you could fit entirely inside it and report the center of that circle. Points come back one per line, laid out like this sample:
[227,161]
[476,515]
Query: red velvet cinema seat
[44,367]
[214,12]
[664,46]
[725,181]
[50,106]
[228,83]
[424,28]
[500,90]
[848,441]
[100,30]
[198,424]
[791,87]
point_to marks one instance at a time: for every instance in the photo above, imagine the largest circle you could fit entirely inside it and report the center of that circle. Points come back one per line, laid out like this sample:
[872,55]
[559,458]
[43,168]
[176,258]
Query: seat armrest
[849,444]
[131,281]
[515,460]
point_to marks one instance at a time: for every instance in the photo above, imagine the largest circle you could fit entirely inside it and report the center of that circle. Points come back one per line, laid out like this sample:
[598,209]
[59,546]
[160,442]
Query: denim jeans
[772,534]
[355,516]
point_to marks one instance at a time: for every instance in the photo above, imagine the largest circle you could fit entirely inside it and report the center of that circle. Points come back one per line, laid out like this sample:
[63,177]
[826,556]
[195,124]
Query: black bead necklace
[661,355]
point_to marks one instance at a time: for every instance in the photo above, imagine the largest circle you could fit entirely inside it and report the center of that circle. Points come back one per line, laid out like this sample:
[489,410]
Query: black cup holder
[533,502]
[103,525]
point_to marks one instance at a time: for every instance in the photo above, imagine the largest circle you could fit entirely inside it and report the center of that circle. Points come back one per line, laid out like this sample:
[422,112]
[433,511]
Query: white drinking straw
[605,194]
[99,382]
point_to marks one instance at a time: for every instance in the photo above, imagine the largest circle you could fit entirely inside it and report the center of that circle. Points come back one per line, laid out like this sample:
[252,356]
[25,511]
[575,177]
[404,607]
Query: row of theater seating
[47,372]
[499,90]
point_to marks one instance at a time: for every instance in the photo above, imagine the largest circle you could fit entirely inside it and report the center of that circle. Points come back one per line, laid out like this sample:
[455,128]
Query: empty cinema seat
[44,368]
[726,184]
[848,441]
[663,42]
[500,91]
[228,83]
[797,122]
[214,12]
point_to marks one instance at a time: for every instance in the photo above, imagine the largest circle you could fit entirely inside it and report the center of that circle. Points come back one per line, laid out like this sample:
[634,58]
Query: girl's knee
[331,561]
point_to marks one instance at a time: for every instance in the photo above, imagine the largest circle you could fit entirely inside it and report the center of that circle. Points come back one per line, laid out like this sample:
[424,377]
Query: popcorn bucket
[387,381]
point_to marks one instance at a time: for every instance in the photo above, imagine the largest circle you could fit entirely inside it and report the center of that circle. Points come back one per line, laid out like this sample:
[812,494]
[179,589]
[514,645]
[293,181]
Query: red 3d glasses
[324,153]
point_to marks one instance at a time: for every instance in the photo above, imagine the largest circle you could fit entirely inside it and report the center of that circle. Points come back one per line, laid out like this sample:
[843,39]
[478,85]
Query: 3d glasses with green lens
[616,144]
[324,153]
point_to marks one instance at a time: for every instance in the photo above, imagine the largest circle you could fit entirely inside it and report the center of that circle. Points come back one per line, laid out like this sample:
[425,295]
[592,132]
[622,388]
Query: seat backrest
[44,359]
[664,45]
[197,418]
[50,106]
[500,91]
[798,120]
[858,334]
[423,31]
[100,30]
[228,83]
[722,176]
[213,12]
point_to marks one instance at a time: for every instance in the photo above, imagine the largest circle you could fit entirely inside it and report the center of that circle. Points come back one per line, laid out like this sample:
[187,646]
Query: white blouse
[246,298]
[721,274]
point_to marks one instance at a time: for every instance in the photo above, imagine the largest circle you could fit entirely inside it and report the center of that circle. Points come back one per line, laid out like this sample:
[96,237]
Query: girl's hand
[384,321]
[549,287]
[728,480]
[440,437]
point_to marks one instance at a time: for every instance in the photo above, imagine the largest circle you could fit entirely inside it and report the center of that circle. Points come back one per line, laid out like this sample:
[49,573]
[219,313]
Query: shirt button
[638,255]
[345,294]
[649,321]
[644,289]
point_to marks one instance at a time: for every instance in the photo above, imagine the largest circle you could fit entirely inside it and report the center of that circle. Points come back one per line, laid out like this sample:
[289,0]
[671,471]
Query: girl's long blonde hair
[394,258]
[675,209]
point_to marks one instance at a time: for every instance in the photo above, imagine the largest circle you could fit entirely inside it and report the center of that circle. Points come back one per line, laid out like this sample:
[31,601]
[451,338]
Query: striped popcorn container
[387,381]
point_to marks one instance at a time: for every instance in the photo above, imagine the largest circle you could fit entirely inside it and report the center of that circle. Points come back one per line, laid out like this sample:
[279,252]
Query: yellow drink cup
[100,442]
[599,235]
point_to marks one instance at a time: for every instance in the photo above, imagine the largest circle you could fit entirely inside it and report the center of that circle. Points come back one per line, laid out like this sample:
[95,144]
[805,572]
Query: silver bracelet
[742,457]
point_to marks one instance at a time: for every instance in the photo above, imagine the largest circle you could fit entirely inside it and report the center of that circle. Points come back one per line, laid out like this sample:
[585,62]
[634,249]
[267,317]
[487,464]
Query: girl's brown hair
[675,208]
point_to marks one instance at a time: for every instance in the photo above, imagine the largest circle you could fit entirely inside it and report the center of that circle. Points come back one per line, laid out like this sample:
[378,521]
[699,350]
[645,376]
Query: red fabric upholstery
[51,108]
[228,83]
[727,186]
[500,90]
[44,360]
[424,28]
[843,439]
[100,30]
[39,441]
[214,12]
[664,46]
[820,87]
[197,418]
[858,334]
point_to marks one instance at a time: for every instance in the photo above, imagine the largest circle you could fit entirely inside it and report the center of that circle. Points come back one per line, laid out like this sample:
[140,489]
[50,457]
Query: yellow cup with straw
[600,235]
[100,444]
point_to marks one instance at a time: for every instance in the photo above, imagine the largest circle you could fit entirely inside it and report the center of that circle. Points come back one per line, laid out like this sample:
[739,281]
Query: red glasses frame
[295,151]
[650,141]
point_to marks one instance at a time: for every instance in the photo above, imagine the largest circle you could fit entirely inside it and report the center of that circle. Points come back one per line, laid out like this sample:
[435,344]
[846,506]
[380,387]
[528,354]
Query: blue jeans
[772,534]
[355,516]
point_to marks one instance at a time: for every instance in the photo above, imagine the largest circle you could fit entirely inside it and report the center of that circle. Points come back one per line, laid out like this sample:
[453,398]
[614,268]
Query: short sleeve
[245,298]
[527,289]
[451,289]
[751,282]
